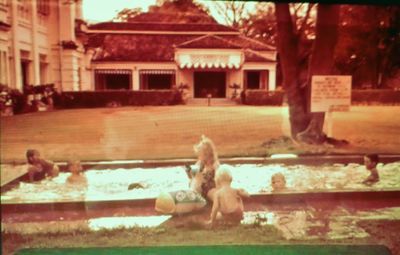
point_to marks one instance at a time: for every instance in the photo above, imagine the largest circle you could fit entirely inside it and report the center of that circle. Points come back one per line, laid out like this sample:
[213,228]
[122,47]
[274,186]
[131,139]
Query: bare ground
[171,131]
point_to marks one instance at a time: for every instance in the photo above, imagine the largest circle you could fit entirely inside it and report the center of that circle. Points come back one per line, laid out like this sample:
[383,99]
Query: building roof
[225,41]
[253,56]
[155,26]
[209,41]
[136,47]
[161,47]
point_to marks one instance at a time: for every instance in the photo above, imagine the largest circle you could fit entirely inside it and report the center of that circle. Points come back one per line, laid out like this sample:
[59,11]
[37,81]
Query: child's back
[230,202]
[227,200]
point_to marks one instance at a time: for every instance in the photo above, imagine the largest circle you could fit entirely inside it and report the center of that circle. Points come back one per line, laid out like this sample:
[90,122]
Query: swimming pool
[255,178]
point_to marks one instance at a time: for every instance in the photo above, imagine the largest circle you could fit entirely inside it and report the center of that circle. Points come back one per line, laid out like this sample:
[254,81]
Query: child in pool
[76,177]
[202,175]
[227,202]
[39,168]
[278,182]
[370,162]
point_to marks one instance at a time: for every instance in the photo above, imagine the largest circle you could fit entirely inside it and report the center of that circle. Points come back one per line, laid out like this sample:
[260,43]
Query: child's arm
[215,209]
[243,193]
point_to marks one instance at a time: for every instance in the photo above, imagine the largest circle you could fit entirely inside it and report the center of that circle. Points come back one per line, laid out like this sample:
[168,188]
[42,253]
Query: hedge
[370,96]
[94,99]
[262,97]
[377,96]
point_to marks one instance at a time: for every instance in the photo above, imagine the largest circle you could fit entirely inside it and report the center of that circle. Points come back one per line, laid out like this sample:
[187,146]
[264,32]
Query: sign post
[330,93]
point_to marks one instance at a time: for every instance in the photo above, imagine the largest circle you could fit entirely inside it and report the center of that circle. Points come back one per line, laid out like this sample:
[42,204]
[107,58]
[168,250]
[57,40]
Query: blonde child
[202,175]
[76,177]
[227,202]
[278,182]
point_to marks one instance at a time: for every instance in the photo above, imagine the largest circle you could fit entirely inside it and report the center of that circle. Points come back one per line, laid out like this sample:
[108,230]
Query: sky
[105,10]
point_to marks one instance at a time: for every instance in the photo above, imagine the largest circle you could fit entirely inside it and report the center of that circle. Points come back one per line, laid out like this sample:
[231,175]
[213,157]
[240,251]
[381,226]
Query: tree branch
[304,23]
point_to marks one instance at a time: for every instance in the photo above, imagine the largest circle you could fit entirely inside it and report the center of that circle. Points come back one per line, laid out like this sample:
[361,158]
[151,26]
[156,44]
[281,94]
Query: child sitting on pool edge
[370,162]
[227,202]
[76,177]
[39,168]
[201,178]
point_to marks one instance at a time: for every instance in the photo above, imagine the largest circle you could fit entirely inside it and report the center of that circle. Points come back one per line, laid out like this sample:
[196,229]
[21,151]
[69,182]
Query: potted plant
[235,88]
[6,102]
[183,89]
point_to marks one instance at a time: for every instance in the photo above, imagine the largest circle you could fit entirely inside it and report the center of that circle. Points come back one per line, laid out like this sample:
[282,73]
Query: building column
[272,80]
[35,49]
[70,70]
[78,9]
[135,79]
[16,50]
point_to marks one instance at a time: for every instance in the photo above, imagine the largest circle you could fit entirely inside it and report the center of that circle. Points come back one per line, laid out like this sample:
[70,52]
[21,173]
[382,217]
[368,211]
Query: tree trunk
[321,63]
[288,54]
[306,127]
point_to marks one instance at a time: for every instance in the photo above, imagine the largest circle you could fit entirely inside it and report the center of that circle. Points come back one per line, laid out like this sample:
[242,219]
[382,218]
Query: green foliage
[263,97]
[93,99]
[381,96]
[169,11]
[127,14]
[368,48]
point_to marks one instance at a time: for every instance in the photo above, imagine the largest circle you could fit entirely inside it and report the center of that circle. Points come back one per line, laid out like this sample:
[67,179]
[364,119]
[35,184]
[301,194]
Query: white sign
[330,93]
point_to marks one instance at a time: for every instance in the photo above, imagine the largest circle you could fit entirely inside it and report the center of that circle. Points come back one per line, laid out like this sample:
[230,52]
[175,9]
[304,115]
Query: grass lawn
[171,131]
[383,232]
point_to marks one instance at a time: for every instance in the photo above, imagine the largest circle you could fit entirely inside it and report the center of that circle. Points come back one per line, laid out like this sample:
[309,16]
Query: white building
[46,41]
[39,44]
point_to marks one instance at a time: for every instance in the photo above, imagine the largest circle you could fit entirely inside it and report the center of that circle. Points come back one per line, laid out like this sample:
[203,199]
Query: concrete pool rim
[300,160]
[306,159]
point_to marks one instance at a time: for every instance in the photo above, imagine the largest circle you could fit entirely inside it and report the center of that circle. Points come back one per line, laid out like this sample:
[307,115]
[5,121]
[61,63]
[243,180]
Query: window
[3,68]
[113,79]
[24,9]
[253,80]
[256,79]
[157,79]
[43,7]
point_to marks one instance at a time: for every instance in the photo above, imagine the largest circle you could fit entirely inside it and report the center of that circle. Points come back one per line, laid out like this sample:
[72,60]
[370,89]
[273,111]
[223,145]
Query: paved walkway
[171,131]
[211,102]
[10,173]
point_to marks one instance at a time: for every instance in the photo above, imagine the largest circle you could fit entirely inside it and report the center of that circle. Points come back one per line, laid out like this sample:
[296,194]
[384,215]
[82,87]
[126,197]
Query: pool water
[113,184]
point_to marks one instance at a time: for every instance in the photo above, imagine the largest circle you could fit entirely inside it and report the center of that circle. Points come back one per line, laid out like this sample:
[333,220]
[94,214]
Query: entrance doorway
[25,73]
[213,83]
[256,79]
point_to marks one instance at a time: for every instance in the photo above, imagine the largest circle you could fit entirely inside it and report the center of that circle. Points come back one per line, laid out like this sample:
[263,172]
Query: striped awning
[209,61]
[157,71]
[113,71]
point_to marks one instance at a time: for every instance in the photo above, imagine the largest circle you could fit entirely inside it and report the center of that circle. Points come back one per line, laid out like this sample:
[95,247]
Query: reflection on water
[305,223]
[96,224]
[126,222]
[113,184]
[312,223]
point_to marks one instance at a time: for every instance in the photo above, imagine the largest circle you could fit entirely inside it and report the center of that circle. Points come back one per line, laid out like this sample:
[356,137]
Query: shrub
[94,99]
[381,96]
[13,98]
[262,97]
[371,96]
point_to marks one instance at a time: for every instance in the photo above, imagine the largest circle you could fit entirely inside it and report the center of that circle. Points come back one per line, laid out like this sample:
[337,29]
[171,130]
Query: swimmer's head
[74,166]
[371,160]
[32,156]
[223,175]
[278,182]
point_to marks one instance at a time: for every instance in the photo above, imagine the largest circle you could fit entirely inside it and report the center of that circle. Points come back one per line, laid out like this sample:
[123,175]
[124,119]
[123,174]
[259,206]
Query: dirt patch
[384,232]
